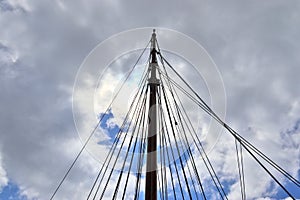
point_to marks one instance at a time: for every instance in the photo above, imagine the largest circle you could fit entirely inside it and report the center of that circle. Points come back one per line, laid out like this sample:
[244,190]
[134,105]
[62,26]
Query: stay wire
[187,146]
[270,174]
[268,160]
[235,135]
[185,92]
[168,157]
[168,78]
[137,124]
[263,156]
[141,161]
[163,152]
[173,131]
[186,158]
[178,131]
[183,137]
[141,153]
[173,157]
[112,149]
[141,157]
[207,163]
[160,186]
[189,150]
[131,161]
[95,128]
[210,111]
[202,189]
[164,140]
[102,194]
[161,147]
[202,101]
[172,152]
[239,169]
[243,174]
[121,129]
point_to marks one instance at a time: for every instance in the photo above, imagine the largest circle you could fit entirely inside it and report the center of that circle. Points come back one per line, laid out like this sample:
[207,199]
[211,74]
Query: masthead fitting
[153,40]
[153,66]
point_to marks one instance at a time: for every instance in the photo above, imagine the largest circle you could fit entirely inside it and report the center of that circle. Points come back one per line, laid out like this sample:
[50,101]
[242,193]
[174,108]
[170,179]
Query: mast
[151,172]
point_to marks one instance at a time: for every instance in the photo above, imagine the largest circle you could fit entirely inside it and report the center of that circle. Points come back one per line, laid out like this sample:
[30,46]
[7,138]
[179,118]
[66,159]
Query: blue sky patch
[111,130]
[11,192]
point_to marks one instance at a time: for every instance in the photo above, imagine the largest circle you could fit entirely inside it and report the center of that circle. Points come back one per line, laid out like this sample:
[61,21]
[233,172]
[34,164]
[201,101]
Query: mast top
[153,40]
[153,64]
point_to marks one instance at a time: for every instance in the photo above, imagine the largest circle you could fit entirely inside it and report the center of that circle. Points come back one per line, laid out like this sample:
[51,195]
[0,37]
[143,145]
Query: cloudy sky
[255,45]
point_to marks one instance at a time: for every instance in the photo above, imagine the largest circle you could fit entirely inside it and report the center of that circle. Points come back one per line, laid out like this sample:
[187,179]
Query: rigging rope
[175,127]
[116,140]
[218,186]
[239,138]
[121,144]
[97,125]
[239,165]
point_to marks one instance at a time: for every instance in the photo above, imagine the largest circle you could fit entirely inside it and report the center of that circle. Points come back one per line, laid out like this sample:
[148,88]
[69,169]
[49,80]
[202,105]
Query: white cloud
[20,3]
[3,175]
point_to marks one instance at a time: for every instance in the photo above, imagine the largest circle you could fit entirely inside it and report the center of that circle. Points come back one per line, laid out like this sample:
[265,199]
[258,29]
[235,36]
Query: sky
[255,45]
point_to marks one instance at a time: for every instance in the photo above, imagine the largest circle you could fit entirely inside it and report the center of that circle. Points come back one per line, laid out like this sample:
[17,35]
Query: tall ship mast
[159,150]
